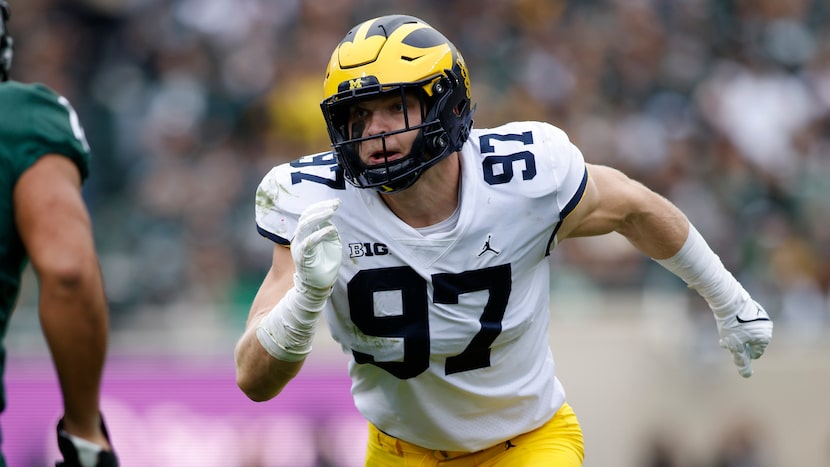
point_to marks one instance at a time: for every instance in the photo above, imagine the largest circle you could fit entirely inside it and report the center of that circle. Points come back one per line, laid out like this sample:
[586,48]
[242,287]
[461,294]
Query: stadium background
[721,105]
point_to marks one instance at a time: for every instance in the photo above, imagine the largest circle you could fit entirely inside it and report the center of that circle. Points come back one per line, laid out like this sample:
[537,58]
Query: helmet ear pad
[451,107]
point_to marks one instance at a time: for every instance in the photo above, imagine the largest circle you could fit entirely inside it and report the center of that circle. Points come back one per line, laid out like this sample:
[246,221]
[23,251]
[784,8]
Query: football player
[425,242]
[45,158]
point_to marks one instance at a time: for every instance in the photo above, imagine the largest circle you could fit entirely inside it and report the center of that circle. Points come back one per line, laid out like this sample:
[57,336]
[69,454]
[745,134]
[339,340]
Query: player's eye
[358,113]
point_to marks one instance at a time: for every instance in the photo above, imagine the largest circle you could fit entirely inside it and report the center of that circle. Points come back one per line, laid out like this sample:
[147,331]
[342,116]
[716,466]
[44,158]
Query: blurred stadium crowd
[721,105]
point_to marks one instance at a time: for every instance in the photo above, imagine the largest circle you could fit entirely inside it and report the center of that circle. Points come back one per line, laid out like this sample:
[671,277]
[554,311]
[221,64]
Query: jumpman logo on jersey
[487,247]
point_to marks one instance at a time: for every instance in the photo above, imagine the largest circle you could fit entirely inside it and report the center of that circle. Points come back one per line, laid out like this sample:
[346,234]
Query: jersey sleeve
[274,219]
[287,189]
[570,172]
[34,122]
[571,176]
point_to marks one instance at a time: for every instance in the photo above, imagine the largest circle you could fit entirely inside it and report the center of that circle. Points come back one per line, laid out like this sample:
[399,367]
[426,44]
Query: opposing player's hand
[316,249]
[78,452]
[746,334]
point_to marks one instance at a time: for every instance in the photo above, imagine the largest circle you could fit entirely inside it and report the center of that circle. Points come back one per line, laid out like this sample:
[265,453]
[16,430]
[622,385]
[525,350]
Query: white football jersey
[448,330]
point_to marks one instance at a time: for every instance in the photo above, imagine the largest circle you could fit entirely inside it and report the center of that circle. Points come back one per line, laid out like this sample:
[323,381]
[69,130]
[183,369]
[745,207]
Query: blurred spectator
[660,451]
[740,446]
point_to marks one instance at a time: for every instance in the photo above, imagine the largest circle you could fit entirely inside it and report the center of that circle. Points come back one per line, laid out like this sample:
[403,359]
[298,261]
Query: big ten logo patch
[357,250]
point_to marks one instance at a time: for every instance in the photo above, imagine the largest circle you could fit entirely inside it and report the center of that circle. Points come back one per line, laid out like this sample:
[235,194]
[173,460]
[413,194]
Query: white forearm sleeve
[703,271]
[287,330]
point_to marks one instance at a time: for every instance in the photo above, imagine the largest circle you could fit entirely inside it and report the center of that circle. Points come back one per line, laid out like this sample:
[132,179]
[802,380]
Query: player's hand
[78,452]
[746,334]
[286,331]
[316,250]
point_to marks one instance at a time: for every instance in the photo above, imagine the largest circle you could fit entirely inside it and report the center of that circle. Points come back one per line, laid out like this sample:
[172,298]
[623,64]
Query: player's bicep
[613,202]
[608,200]
[51,215]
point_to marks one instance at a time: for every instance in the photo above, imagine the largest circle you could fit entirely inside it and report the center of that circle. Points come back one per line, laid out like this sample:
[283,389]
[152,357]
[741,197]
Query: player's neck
[433,198]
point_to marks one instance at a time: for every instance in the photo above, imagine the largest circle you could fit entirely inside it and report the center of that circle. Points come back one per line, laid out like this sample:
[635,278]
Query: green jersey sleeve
[35,121]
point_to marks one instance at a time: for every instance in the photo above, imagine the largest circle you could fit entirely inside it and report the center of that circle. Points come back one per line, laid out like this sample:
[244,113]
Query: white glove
[744,327]
[316,250]
[746,334]
[287,330]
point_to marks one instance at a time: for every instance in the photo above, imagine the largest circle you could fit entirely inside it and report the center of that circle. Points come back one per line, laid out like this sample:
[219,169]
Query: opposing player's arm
[613,202]
[258,374]
[56,230]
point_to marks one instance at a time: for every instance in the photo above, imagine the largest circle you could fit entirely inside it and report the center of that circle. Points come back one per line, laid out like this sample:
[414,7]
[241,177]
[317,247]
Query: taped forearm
[287,330]
[703,271]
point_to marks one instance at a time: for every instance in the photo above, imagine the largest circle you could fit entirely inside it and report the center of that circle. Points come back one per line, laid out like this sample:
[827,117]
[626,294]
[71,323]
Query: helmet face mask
[397,56]
[386,176]
[6,43]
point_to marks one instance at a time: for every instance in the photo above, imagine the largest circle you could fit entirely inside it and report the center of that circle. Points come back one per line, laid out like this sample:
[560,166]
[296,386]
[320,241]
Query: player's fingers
[730,343]
[742,361]
[756,349]
[314,216]
[320,211]
[326,233]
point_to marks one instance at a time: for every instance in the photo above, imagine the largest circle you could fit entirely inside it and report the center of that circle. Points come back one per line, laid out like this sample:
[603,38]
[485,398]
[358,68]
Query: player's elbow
[254,379]
[259,375]
[253,387]
[255,394]
[67,272]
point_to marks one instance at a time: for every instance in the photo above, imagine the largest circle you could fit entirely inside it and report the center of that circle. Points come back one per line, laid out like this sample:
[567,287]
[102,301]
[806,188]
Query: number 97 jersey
[447,325]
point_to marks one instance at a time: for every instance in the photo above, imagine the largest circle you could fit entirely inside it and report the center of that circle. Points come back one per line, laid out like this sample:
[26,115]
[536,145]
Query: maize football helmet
[6,43]
[397,55]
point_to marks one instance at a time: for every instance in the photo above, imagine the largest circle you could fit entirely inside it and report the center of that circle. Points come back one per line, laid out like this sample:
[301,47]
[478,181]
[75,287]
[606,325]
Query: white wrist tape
[703,271]
[287,330]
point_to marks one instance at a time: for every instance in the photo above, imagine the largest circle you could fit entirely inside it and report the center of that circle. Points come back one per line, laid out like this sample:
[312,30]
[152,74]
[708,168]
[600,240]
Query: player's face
[383,115]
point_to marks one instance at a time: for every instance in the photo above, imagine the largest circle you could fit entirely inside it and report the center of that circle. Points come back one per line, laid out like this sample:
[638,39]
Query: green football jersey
[34,122]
